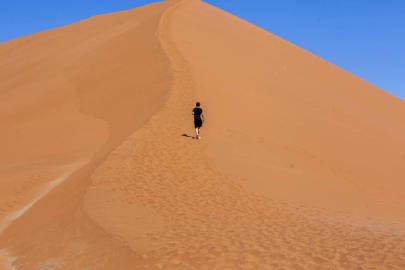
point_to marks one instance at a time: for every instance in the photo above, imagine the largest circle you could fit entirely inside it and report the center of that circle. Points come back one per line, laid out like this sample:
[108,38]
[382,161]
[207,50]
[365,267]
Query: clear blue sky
[364,37]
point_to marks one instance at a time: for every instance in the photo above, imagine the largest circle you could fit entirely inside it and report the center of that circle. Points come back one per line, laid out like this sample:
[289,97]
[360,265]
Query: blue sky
[364,37]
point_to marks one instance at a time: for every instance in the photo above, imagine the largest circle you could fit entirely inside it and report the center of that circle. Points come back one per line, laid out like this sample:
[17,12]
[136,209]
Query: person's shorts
[198,123]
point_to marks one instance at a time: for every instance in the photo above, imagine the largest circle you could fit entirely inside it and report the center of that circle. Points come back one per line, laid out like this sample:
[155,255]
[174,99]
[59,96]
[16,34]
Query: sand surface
[300,166]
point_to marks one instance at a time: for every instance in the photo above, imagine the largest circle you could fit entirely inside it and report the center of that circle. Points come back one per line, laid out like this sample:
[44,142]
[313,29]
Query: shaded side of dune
[69,97]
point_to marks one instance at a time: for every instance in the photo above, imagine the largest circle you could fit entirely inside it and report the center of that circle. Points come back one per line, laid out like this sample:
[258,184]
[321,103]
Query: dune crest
[299,166]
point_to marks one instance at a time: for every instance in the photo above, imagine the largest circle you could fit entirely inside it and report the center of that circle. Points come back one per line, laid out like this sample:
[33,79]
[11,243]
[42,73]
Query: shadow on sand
[185,135]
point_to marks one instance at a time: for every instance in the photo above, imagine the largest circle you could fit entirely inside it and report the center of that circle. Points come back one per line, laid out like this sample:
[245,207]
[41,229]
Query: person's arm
[202,117]
[192,112]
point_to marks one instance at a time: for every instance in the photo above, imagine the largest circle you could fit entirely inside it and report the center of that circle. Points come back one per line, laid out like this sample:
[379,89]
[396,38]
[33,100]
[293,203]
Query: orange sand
[300,166]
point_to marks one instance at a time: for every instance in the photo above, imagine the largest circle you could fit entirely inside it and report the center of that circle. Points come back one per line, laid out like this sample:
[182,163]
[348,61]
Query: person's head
[198,104]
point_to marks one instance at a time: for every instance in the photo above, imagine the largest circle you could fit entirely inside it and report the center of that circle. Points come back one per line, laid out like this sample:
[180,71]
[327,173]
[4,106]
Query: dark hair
[197,104]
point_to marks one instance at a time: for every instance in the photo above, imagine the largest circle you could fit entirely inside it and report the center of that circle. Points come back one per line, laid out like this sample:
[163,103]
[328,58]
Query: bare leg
[197,132]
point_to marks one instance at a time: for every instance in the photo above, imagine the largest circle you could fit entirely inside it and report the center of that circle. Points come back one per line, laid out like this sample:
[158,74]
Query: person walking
[198,119]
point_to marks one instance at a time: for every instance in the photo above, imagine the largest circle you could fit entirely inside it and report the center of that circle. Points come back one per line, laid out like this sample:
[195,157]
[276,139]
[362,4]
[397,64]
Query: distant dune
[301,165]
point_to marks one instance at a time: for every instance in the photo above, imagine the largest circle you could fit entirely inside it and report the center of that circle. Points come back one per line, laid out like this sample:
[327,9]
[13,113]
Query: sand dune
[301,164]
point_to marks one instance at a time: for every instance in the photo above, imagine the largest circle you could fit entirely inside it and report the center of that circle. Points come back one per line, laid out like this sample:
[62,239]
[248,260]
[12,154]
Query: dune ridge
[151,198]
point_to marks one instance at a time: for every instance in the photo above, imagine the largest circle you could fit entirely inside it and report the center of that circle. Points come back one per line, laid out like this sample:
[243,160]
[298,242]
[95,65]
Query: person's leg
[196,128]
[199,132]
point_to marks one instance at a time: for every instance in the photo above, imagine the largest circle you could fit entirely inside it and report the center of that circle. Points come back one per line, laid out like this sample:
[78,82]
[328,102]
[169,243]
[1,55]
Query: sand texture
[301,165]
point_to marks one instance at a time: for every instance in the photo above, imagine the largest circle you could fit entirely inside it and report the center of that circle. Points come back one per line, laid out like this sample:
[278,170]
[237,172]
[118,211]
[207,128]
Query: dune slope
[300,165]
[289,123]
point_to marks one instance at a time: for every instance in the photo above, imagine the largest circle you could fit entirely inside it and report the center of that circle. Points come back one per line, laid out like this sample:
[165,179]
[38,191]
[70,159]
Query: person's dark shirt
[197,113]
